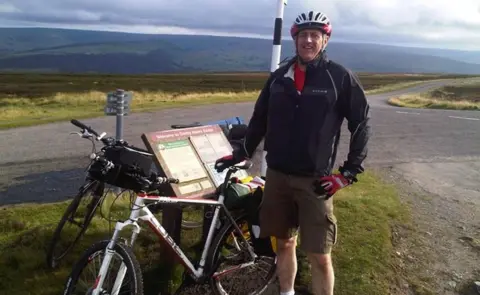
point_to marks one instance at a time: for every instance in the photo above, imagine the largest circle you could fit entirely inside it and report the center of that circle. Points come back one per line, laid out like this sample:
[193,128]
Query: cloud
[442,23]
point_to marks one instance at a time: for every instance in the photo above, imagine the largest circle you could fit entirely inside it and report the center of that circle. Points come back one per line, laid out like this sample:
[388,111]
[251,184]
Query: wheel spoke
[236,273]
[132,279]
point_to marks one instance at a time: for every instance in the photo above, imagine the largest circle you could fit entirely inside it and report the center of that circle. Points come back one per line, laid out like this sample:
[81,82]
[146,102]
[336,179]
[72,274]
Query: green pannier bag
[248,199]
[236,195]
[247,196]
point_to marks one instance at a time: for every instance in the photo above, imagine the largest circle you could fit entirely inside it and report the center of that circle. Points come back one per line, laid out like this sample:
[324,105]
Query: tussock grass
[418,101]
[362,257]
[18,112]
[31,99]
[397,86]
[462,95]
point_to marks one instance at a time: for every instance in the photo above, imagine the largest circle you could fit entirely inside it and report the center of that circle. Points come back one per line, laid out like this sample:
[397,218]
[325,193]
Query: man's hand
[228,161]
[329,185]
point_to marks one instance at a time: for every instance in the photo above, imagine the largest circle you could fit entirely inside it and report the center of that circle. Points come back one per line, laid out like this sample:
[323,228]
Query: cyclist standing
[300,111]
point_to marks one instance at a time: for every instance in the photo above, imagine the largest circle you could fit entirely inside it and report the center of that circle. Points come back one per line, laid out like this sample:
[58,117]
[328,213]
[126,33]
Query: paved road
[44,163]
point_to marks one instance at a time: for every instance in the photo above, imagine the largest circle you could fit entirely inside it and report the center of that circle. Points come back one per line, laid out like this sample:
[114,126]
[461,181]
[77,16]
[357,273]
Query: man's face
[309,43]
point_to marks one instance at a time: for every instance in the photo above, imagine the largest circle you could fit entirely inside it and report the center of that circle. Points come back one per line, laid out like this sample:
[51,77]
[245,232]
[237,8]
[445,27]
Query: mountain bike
[100,171]
[209,269]
[92,192]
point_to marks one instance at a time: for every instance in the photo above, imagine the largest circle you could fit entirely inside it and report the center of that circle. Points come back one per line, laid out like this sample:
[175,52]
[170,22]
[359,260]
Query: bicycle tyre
[127,256]
[218,242]
[97,188]
[187,223]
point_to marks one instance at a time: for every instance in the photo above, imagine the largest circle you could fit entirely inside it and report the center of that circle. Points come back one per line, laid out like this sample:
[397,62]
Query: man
[300,112]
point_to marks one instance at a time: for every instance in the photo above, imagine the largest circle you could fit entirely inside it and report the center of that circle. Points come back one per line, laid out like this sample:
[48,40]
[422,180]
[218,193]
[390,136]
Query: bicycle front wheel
[229,261]
[81,280]
[64,238]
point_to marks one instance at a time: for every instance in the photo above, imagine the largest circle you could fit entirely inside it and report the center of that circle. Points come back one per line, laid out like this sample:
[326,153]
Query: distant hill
[60,50]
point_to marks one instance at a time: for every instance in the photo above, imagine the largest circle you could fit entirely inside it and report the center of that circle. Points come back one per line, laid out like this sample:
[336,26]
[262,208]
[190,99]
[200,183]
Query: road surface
[46,164]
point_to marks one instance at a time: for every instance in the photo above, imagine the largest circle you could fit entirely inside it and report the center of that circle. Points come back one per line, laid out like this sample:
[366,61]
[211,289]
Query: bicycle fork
[109,252]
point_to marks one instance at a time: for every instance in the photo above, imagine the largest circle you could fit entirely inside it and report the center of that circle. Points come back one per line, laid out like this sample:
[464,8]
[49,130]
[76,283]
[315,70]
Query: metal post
[120,104]
[275,61]
[120,94]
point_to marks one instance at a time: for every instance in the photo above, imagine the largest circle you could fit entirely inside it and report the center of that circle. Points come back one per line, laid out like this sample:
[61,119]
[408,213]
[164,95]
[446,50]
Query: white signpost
[275,61]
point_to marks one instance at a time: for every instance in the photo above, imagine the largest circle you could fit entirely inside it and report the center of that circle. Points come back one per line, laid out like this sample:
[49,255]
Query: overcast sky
[435,23]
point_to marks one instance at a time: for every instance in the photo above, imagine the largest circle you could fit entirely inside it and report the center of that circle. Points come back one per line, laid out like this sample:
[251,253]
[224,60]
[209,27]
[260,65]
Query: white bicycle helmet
[311,20]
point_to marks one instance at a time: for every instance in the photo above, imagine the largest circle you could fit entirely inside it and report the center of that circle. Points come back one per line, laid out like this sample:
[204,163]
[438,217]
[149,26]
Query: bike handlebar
[153,182]
[162,180]
[157,181]
[83,126]
[90,130]
[245,165]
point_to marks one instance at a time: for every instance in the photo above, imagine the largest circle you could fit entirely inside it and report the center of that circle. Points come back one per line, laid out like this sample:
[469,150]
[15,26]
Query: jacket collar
[288,68]
[321,61]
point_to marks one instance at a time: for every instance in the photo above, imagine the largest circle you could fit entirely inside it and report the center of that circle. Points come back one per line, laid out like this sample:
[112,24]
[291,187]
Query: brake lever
[77,133]
[85,134]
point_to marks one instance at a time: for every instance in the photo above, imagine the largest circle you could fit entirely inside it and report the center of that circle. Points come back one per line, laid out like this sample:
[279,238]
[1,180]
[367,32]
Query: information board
[210,147]
[189,154]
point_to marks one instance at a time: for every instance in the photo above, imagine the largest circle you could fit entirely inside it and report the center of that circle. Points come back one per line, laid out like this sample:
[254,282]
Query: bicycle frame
[140,211]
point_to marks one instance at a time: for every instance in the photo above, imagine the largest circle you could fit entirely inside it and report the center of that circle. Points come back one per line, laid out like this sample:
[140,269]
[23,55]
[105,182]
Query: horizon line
[188,32]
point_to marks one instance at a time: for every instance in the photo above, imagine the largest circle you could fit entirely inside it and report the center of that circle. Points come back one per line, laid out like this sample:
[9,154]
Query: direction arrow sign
[109,111]
[113,96]
[114,105]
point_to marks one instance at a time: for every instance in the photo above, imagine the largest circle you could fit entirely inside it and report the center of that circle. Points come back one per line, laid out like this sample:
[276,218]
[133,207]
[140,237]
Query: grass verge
[366,213]
[398,86]
[21,112]
[362,257]
[31,99]
[458,96]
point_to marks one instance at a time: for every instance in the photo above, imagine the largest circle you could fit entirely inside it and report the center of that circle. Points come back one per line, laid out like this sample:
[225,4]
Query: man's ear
[325,39]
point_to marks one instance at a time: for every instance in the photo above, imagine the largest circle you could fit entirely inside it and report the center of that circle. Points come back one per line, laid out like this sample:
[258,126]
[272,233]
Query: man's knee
[322,261]
[286,244]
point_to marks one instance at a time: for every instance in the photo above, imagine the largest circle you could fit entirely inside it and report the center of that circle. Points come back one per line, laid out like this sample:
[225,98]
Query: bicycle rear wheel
[230,253]
[63,239]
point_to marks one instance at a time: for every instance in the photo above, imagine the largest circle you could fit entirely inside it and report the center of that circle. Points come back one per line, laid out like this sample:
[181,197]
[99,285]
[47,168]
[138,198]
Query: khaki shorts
[289,204]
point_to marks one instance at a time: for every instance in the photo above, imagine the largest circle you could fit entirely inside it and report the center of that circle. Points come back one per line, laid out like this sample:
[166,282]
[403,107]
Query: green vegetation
[34,86]
[366,212]
[30,99]
[27,229]
[362,258]
[463,95]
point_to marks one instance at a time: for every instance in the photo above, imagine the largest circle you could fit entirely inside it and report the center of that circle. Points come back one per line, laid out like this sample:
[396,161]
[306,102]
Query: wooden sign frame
[189,154]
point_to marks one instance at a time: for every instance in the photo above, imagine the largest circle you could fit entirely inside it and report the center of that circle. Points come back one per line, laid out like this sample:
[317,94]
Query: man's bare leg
[323,278]
[286,263]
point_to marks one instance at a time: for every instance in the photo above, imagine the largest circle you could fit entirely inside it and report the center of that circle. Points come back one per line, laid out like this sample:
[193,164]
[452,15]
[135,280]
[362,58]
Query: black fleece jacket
[302,130]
